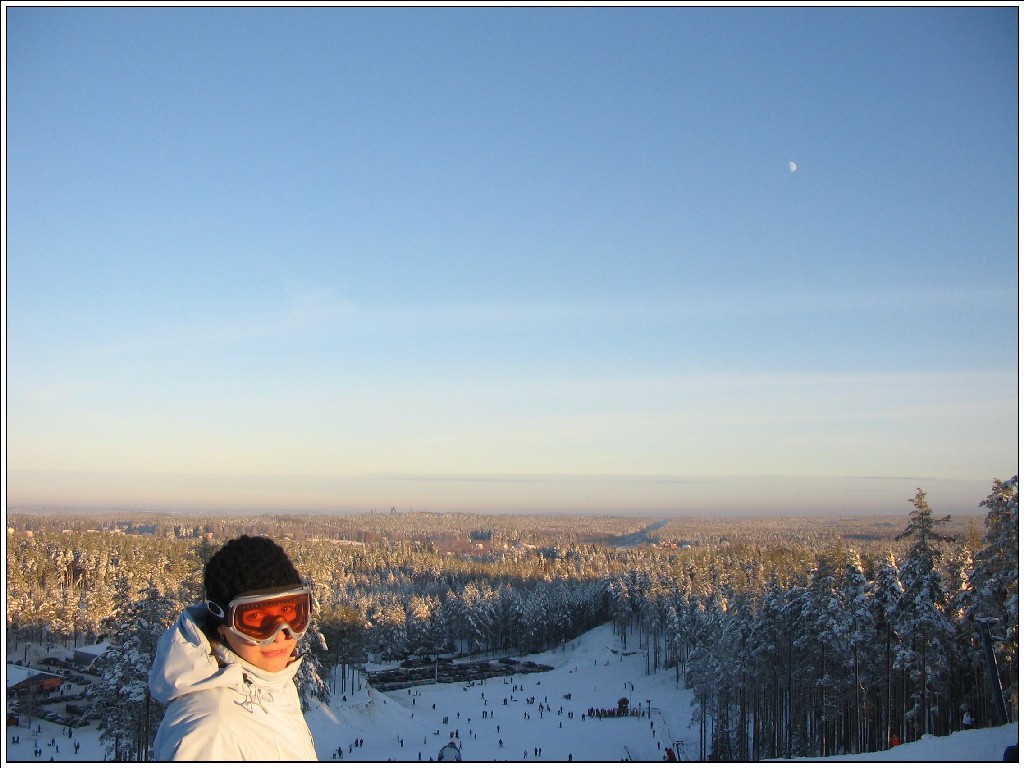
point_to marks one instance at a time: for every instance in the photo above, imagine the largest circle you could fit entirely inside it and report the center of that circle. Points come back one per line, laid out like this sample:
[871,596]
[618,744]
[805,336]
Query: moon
[792,167]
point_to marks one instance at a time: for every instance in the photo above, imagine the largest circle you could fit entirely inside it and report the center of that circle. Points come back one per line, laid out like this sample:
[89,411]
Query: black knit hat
[245,564]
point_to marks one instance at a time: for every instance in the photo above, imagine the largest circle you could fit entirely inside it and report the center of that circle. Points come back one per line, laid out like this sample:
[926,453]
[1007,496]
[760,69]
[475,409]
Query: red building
[24,680]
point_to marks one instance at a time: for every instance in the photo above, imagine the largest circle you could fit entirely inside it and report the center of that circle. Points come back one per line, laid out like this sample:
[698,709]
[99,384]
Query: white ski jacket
[219,706]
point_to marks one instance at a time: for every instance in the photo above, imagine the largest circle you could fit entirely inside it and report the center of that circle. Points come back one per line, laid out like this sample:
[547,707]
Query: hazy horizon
[636,496]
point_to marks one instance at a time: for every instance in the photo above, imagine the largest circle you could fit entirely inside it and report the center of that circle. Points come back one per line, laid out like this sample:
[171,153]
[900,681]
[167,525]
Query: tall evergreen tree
[313,648]
[922,524]
[856,626]
[921,611]
[995,583]
[128,716]
[886,595]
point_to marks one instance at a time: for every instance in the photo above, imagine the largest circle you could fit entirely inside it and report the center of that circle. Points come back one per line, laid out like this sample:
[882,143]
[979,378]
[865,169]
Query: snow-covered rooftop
[93,650]
[17,674]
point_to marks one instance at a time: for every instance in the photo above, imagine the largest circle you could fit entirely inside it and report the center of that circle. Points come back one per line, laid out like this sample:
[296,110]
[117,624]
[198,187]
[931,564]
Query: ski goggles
[259,615]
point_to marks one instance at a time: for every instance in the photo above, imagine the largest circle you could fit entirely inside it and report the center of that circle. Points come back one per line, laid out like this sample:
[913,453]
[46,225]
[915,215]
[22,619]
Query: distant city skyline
[622,260]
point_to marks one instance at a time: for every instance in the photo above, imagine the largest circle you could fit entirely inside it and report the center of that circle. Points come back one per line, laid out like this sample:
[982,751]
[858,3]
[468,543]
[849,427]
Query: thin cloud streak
[305,315]
[318,312]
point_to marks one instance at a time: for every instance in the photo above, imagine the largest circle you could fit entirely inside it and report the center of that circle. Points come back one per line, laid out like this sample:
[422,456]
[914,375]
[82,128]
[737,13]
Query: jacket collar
[227,657]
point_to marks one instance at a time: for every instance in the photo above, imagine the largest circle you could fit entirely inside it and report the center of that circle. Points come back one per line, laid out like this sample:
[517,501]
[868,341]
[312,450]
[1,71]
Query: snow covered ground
[984,745]
[408,725]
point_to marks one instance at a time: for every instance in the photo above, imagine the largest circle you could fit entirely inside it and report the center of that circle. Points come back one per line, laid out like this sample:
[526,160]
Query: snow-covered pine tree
[823,653]
[921,611]
[743,679]
[453,622]
[344,629]
[619,601]
[418,616]
[386,634]
[128,716]
[858,627]
[706,677]
[995,583]
[99,598]
[534,628]
[313,648]
[966,684]
[885,595]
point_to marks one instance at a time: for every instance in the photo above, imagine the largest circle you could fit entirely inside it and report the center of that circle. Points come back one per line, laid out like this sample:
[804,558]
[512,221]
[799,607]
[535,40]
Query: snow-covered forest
[812,647]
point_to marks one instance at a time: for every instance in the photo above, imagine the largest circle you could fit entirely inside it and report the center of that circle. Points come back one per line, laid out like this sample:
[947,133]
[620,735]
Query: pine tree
[995,582]
[856,625]
[922,524]
[823,651]
[921,611]
[314,650]
[128,716]
[885,596]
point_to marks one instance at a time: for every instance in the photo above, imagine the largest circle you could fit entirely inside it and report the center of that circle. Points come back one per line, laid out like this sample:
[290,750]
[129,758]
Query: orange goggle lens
[262,616]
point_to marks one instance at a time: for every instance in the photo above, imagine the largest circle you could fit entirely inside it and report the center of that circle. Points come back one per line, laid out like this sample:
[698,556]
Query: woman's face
[271,658]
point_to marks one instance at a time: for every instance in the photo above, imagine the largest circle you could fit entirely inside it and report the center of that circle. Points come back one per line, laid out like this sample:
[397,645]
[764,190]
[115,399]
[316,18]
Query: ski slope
[408,725]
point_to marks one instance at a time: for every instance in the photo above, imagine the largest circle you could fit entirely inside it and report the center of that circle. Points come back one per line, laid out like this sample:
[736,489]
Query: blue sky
[509,259]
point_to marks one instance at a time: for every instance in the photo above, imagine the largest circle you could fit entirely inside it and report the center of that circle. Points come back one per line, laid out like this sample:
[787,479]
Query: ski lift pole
[993,671]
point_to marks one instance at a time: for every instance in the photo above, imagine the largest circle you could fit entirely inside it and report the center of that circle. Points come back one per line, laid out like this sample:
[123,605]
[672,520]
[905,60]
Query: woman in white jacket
[226,667]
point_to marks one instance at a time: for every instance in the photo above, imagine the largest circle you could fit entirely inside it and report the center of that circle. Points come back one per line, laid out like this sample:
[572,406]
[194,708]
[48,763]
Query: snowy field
[408,725]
